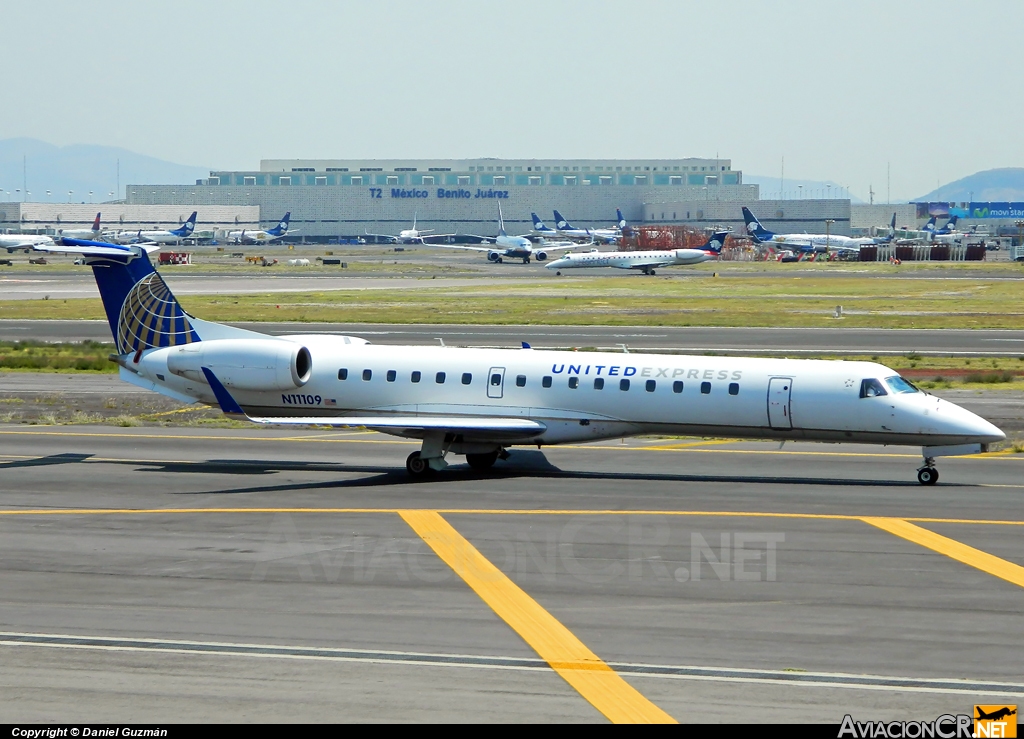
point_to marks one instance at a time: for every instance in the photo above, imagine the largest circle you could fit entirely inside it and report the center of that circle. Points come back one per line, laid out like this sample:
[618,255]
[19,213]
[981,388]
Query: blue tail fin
[538,224]
[892,224]
[754,228]
[930,226]
[141,310]
[561,224]
[619,219]
[716,242]
[282,227]
[186,229]
[950,224]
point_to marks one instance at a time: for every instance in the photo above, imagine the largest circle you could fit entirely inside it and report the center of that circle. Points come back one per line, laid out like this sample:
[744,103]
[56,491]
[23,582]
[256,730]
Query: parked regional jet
[93,233]
[162,237]
[479,402]
[800,242]
[511,247]
[262,236]
[646,261]
[410,235]
[13,242]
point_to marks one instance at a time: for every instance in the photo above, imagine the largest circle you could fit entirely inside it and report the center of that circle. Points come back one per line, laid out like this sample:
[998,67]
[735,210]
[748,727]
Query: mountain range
[81,168]
[991,185]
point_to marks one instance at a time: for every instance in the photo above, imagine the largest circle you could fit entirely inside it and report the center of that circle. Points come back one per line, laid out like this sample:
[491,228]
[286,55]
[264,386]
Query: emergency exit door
[495,382]
[779,393]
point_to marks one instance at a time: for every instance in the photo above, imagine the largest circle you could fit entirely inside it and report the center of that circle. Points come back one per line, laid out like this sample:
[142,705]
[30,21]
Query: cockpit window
[871,388]
[898,385]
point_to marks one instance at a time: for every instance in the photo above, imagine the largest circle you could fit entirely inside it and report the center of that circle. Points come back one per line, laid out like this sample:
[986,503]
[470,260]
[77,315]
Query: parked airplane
[410,235]
[805,243]
[511,247]
[13,242]
[159,237]
[93,233]
[262,236]
[645,261]
[497,398]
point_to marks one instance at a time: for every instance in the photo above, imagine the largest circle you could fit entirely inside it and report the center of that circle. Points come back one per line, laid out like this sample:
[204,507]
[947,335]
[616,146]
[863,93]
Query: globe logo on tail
[151,317]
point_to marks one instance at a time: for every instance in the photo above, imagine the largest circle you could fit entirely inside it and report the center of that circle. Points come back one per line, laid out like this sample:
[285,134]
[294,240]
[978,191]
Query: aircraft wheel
[481,462]
[499,260]
[416,465]
[526,260]
[927,475]
[558,273]
[651,272]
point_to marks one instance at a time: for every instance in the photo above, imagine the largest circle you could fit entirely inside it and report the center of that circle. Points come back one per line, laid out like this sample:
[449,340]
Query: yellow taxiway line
[559,647]
[953,549]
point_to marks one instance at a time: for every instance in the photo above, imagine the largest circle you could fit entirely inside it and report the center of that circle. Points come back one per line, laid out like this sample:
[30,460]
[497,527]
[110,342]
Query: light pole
[800,191]
[828,232]
[829,190]
[70,193]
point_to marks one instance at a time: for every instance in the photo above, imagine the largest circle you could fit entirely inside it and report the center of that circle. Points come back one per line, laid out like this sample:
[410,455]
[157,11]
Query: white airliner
[13,242]
[159,237]
[479,402]
[646,261]
[411,235]
[512,247]
[261,236]
[93,233]
[801,242]
[604,235]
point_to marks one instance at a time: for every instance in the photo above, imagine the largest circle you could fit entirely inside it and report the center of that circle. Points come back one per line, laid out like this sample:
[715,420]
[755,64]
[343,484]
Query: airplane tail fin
[187,227]
[282,227]
[538,224]
[951,223]
[619,219]
[716,242]
[96,224]
[754,227]
[501,222]
[141,310]
[561,223]
[930,226]
[892,223]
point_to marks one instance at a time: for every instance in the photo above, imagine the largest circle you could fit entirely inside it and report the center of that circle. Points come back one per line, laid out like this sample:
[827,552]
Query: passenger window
[367,374]
[734,388]
[651,385]
[416,376]
[871,388]
[705,388]
[496,379]
[521,381]
[466,378]
[439,378]
[623,384]
[574,382]
[391,375]
[343,374]
[677,386]
[599,383]
[546,382]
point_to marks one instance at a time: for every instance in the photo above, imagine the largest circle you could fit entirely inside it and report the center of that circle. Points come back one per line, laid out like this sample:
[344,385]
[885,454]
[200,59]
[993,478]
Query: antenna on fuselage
[625,349]
[440,339]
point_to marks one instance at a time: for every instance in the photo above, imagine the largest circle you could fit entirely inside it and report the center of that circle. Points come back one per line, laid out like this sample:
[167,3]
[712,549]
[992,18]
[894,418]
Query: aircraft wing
[652,263]
[390,238]
[561,245]
[497,426]
[93,248]
[461,246]
[423,239]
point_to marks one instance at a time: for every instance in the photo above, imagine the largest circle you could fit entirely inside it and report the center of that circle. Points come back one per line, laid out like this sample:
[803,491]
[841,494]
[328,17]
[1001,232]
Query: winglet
[526,346]
[227,404]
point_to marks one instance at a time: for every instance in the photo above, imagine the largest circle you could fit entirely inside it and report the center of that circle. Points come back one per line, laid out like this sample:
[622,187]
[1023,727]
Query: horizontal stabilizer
[93,248]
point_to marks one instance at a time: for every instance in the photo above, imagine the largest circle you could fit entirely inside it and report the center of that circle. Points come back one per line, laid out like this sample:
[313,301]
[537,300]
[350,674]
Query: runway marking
[976,558]
[372,656]
[504,512]
[619,701]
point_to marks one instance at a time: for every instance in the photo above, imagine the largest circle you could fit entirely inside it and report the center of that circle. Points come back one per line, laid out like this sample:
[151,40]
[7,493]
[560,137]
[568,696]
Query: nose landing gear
[928,475]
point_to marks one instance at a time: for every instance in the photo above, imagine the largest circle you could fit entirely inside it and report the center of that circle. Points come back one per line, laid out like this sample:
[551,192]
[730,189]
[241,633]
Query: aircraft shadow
[45,461]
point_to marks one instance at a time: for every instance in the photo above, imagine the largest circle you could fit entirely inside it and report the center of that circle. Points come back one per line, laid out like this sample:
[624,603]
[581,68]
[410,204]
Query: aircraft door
[495,382]
[779,391]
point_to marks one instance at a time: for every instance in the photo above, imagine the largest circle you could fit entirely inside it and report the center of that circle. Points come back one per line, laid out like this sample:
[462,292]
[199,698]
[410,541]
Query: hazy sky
[837,88]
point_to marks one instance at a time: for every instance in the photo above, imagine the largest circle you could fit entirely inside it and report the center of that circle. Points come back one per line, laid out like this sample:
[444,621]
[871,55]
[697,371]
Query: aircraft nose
[968,424]
[557,263]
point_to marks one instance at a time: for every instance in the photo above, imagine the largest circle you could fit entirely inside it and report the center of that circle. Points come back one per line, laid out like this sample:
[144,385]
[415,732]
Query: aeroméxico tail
[261,236]
[645,261]
[479,402]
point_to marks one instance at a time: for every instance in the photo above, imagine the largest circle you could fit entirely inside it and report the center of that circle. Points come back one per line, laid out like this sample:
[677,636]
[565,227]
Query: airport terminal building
[329,198]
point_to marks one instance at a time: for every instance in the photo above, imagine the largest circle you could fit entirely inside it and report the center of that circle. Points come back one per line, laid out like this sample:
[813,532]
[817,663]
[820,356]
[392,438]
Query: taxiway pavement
[254,574]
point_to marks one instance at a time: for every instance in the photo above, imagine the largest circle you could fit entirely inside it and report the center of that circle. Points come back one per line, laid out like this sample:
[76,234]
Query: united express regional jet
[480,402]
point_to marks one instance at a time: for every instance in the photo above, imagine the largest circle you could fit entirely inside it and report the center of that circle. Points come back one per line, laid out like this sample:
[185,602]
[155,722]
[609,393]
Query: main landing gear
[928,475]
[526,260]
[648,271]
[431,458]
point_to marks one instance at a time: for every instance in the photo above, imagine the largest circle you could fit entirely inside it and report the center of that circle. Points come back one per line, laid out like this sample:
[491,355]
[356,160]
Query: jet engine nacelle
[493,256]
[244,364]
[540,256]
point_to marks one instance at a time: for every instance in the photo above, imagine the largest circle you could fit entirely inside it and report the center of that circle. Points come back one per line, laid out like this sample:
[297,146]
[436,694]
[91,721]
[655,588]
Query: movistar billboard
[971,210]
